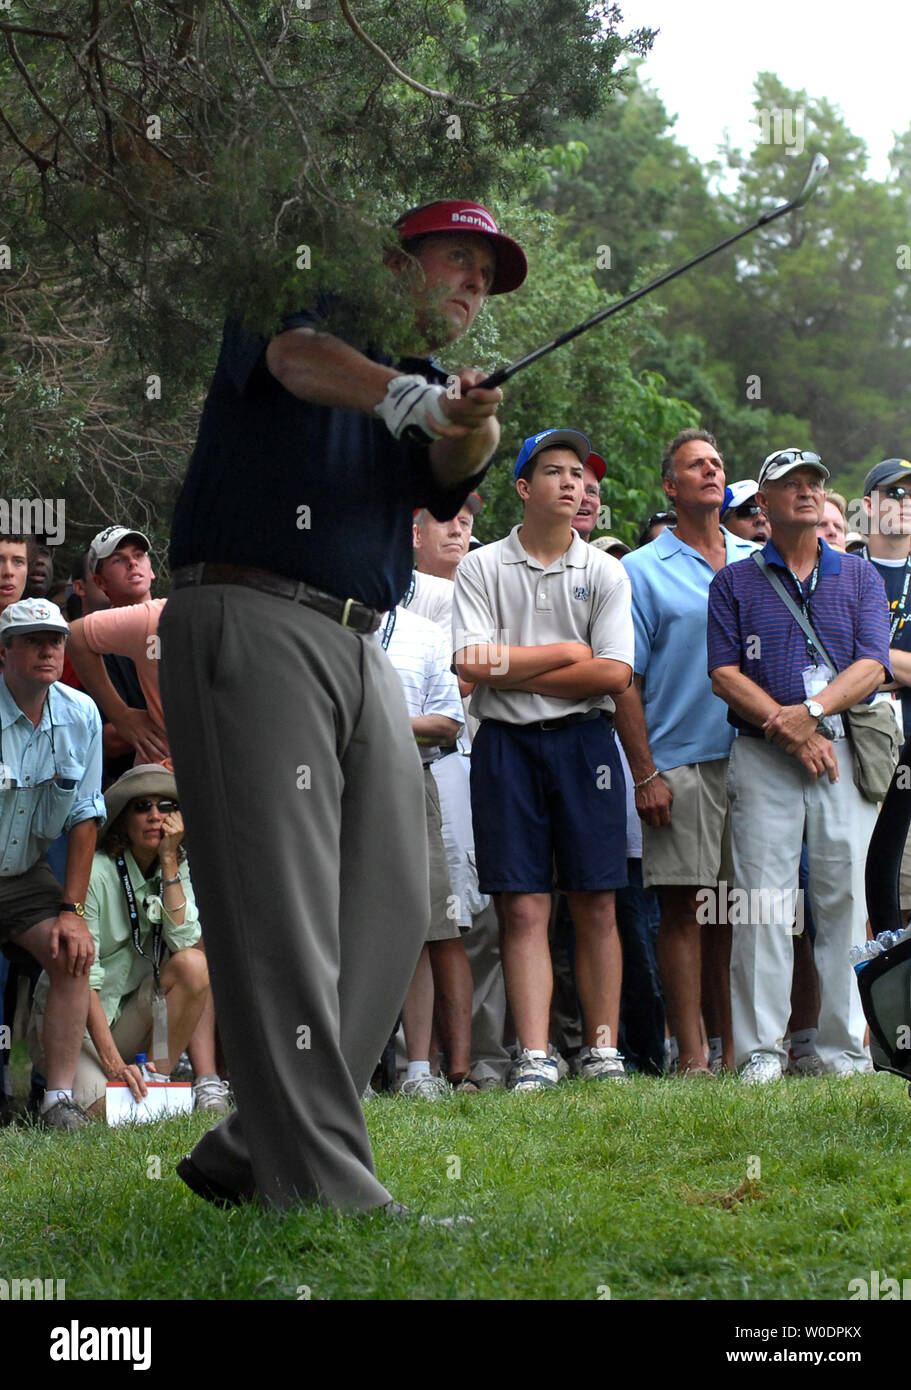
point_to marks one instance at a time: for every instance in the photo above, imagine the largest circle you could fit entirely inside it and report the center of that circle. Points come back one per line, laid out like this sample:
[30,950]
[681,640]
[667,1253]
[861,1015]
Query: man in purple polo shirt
[791,767]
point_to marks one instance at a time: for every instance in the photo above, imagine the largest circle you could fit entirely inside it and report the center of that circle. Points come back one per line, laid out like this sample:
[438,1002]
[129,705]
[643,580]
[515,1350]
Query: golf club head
[815,175]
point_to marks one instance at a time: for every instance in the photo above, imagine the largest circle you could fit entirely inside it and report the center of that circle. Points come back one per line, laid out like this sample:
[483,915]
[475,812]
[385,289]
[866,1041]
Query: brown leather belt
[345,611]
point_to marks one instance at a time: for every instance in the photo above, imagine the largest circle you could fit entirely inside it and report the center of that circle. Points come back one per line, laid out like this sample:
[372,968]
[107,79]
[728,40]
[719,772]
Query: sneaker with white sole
[533,1073]
[599,1064]
[212,1094]
[64,1115]
[810,1064]
[762,1068]
[425,1087]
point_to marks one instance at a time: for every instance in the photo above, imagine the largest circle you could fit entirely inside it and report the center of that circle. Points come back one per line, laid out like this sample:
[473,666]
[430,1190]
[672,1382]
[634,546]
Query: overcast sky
[705,59]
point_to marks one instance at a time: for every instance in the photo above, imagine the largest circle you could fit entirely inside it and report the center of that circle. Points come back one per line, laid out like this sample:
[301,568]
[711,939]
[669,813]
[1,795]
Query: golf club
[815,174]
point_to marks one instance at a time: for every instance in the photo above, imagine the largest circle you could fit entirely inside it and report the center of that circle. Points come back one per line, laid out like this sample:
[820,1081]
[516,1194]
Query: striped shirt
[420,653]
[749,626]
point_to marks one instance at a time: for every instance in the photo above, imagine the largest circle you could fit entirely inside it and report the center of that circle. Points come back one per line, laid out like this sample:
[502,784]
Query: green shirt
[119,969]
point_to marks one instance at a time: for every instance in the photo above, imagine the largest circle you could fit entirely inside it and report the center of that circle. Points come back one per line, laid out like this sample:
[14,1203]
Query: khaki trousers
[301,789]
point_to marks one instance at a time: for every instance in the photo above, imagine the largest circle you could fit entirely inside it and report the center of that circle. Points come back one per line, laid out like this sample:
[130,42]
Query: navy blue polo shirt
[893,577]
[750,627]
[310,492]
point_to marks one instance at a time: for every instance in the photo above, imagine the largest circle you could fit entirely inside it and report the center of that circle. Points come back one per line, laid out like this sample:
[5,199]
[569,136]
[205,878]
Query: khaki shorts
[443,927]
[695,849]
[132,1033]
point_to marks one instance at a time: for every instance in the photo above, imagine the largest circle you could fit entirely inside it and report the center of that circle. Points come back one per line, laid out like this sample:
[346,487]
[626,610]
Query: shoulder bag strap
[799,617]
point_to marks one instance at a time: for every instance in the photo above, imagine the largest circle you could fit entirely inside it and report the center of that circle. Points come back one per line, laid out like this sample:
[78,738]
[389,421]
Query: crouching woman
[148,984]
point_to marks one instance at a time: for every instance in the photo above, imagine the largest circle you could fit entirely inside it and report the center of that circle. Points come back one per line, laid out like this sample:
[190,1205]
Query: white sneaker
[762,1068]
[212,1094]
[810,1064]
[533,1073]
[600,1064]
[425,1087]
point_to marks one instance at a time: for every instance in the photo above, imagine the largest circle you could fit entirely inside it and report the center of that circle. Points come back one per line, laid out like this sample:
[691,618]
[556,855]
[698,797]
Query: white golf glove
[411,406]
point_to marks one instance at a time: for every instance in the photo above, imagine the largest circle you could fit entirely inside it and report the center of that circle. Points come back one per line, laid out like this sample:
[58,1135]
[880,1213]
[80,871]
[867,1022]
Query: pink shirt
[131,631]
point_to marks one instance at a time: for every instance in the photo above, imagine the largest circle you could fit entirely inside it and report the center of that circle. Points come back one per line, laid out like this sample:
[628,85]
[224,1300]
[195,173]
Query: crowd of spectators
[645,840]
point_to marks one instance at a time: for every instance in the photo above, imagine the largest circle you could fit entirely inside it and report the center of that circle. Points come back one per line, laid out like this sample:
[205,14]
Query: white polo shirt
[504,595]
[419,651]
[432,598]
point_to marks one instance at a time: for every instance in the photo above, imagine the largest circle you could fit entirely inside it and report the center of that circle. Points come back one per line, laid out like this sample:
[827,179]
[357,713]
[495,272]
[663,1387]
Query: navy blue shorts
[545,797]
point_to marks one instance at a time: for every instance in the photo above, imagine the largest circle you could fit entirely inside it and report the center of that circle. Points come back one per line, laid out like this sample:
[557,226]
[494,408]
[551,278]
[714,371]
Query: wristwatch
[78,908]
[815,708]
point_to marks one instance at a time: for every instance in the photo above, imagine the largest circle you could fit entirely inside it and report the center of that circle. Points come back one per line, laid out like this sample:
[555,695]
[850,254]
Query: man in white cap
[51,784]
[115,650]
[791,767]
[741,514]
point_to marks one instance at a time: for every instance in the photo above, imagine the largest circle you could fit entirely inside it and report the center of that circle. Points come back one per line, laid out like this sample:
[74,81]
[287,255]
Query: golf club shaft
[504,373]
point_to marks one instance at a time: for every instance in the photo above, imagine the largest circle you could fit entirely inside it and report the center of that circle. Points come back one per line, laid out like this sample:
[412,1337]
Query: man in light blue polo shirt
[50,751]
[677,738]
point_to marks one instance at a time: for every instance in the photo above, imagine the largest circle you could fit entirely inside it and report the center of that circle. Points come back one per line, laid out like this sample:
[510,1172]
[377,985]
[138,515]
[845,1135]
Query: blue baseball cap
[553,439]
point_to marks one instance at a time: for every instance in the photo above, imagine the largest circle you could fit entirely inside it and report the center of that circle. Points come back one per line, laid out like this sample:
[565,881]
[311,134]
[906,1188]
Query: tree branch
[403,76]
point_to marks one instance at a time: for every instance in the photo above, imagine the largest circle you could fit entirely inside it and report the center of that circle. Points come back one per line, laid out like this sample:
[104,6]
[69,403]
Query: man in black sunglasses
[742,515]
[887,504]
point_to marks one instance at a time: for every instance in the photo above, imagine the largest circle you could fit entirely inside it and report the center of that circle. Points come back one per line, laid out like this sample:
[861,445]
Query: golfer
[299,779]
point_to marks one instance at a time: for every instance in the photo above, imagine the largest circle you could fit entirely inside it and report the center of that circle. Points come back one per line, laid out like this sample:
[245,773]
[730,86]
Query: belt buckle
[346,611]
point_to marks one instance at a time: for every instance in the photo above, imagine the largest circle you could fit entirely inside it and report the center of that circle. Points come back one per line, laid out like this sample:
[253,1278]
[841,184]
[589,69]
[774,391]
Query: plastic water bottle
[151,1078]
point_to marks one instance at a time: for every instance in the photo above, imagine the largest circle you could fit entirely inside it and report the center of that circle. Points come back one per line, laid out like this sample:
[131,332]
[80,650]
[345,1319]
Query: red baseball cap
[597,465]
[459,215]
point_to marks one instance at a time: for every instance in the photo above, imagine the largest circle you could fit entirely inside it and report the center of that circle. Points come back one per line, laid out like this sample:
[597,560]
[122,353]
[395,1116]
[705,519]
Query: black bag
[885,992]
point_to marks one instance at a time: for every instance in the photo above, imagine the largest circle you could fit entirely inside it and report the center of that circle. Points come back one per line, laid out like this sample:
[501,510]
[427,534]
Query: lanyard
[50,733]
[898,607]
[157,927]
[804,598]
[388,629]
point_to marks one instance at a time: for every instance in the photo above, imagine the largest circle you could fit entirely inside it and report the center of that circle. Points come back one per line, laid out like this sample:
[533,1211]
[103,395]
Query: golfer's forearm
[319,368]
[454,460]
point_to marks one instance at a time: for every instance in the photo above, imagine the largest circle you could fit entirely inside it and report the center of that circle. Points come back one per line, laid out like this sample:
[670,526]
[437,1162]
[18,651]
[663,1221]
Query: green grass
[630,1186]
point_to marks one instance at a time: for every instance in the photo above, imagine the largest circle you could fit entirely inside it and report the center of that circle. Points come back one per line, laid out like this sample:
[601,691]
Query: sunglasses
[793,456]
[747,509]
[897,494]
[142,804]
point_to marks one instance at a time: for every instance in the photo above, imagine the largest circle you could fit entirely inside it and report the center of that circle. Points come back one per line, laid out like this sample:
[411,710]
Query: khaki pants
[132,1033]
[773,801]
[301,788]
